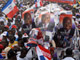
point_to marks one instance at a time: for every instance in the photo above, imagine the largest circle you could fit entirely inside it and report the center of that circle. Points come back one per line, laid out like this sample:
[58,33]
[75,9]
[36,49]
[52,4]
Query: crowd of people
[16,33]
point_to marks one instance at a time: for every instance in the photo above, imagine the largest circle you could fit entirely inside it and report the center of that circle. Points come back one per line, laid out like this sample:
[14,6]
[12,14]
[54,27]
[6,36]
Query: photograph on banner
[65,32]
[62,16]
[31,11]
[63,1]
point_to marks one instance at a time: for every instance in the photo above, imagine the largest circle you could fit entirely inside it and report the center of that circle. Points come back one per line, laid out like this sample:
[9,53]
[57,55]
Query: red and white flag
[10,9]
[38,3]
[43,54]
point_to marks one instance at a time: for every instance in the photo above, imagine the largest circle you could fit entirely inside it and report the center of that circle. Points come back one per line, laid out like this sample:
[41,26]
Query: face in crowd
[67,23]
[46,18]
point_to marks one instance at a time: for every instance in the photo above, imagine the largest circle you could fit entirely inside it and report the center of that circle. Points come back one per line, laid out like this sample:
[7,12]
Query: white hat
[4,33]
[24,35]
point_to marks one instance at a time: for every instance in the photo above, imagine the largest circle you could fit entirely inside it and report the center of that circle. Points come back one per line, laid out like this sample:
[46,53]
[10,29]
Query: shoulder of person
[68,58]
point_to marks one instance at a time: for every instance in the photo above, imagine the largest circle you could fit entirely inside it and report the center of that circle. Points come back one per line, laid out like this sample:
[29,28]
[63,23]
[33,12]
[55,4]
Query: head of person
[11,38]
[27,18]
[13,31]
[13,28]
[2,23]
[67,23]
[69,52]
[4,43]
[10,32]
[23,52]
[19,24]
[6,28]
[45,18]
[20,34]
[11,55]
[20,43]
[16,22]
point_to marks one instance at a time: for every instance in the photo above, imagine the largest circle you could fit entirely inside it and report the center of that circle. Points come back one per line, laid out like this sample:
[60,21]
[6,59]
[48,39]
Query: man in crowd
[69,55]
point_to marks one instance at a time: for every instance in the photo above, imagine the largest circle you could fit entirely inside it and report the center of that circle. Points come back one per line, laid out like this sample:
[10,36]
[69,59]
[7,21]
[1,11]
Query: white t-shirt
[68,58]
[28,56]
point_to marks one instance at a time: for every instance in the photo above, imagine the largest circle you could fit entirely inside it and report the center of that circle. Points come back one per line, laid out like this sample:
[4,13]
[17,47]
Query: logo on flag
[10,9]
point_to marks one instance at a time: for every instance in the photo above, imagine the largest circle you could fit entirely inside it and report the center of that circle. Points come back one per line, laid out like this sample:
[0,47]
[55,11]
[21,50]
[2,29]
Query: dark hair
[11,53]
[25,15]
[23,52]
[21,42]
[19,34]
[24,49]
[25,39]
[65,19]
[69,51]
[5,41]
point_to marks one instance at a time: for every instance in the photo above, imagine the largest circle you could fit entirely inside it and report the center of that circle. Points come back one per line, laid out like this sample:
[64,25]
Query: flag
[43,54]
[14,1]
[63,1]
[10,9]
[38,3]
[35,1]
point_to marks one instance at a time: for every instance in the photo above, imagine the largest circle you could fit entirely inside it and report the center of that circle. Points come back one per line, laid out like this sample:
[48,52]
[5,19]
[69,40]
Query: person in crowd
[63,36]
[21,43]
[19,26]
[69,54]
[28,25]
[12,41]
[6,28]
[2,24]
[19,35]
[11,55]
[4,43]
[23,55]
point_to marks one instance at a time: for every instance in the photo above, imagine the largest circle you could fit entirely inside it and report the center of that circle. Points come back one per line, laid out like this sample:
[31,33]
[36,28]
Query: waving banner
[63,1]
[10,9]
[43,54]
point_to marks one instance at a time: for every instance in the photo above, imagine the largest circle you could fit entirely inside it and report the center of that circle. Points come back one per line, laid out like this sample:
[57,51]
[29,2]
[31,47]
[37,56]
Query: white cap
[24,35]
[4,33]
